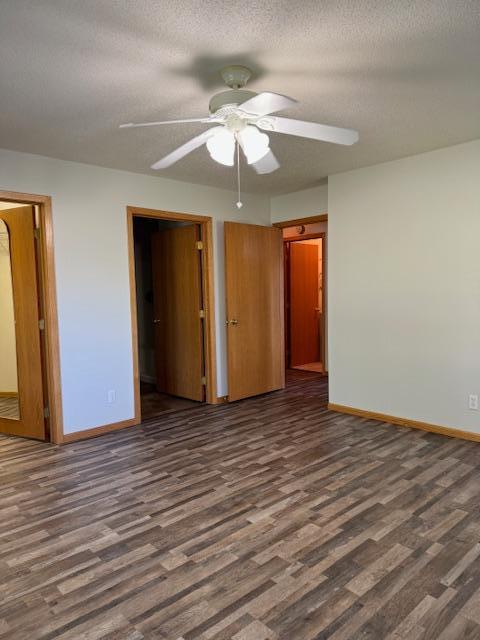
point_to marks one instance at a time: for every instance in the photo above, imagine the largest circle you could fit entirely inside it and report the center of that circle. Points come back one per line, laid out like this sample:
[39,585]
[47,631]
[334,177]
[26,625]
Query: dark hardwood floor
[154,403]
[270,518]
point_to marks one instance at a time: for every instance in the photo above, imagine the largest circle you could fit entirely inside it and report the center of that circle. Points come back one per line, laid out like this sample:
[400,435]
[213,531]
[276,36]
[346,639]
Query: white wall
[300,204]
[404,287]
[404,278]
[89,218]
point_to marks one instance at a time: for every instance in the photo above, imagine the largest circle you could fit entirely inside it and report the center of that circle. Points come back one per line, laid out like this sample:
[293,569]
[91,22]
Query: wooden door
[177,302]
[254,296]
[304,299]
[21,415]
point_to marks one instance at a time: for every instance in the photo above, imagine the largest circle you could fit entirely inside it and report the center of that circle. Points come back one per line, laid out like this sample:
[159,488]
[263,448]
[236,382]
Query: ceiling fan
[240,117]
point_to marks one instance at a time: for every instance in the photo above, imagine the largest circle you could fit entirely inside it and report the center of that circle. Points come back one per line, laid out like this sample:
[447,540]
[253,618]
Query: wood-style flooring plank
[271,518]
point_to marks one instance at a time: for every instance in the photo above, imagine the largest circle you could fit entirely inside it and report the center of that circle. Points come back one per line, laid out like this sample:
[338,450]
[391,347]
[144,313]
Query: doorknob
[233,321]
[156,320]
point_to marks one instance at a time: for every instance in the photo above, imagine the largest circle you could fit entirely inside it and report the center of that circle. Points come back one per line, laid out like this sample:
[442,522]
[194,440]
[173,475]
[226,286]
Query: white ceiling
[405,74]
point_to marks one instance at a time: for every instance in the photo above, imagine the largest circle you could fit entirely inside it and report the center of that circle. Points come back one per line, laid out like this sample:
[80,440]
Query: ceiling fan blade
[313,130]
[267,164]
[182,151]
[267,102]
[132,125]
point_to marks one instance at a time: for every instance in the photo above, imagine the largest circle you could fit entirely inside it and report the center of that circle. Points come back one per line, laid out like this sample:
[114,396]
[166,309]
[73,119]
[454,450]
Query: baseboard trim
[406,422]
[98,431]
[8,394]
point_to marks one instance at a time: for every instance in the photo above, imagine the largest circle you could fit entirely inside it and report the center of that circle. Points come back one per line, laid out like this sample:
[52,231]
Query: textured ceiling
[405,74]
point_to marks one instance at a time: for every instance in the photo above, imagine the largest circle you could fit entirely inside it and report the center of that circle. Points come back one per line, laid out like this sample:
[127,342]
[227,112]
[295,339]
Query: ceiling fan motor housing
[233,97]
[236,76]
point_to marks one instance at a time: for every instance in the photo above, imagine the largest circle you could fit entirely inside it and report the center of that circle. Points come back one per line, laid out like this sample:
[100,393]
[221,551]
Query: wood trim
[283,327]
[209,304]
[324,300]
[306,236]
[133,317]
[49,295]
[323,217]
[406,422]
[98,431]
[51,323]
[208,292]
[167,215]
[8,394]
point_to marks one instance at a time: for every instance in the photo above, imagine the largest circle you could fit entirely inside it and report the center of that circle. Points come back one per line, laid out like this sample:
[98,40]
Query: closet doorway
[172,311]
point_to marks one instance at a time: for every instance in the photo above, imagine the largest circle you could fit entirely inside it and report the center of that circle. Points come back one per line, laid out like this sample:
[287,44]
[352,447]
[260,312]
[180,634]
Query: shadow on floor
[154,403]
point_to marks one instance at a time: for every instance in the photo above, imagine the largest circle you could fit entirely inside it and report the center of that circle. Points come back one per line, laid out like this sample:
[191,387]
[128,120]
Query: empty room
[239,320]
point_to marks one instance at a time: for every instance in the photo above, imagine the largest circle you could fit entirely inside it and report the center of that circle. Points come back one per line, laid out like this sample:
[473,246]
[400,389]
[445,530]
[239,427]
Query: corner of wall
[299,204]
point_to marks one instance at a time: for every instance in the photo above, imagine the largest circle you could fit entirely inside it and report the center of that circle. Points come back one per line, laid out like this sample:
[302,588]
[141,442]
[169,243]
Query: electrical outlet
[111,396]
[473,401]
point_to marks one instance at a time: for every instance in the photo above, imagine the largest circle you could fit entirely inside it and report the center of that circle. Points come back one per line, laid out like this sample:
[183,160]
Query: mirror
[9,404]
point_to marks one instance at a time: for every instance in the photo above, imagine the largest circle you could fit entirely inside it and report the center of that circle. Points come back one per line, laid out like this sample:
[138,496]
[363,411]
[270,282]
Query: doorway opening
[172,311]
[30,403]
[305,271]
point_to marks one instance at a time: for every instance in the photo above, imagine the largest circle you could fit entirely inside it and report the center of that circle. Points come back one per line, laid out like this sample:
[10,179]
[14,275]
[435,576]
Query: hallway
[269,518]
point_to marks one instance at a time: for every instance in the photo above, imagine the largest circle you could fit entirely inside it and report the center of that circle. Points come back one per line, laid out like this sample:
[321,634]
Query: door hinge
[46,412]
[41,324]
[36,233]
[36,218]
[204,381]
[201,313]
[199,245]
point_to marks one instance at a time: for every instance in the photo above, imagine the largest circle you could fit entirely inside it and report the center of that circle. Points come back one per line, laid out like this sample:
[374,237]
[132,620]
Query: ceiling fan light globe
[255,145]
[221,146]
[258,155]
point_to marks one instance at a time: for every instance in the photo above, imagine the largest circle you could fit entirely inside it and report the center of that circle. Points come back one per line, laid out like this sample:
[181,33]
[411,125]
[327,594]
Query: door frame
[48,297]
[286,241]
[205,223]
[295,222]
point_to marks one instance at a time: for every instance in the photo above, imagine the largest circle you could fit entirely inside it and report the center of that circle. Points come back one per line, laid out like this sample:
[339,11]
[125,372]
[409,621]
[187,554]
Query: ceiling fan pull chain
[239,201]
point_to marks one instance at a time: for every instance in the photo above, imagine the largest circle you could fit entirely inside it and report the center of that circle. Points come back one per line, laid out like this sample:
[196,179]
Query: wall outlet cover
[473,401]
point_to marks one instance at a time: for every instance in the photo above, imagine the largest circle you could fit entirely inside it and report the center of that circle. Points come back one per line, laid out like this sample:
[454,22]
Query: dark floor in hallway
[270,518]
[154,403]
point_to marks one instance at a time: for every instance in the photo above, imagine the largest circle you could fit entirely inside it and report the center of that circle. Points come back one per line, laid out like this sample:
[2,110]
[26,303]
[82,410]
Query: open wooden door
[304,312]
[21,389]
[255,321]
[177,302]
